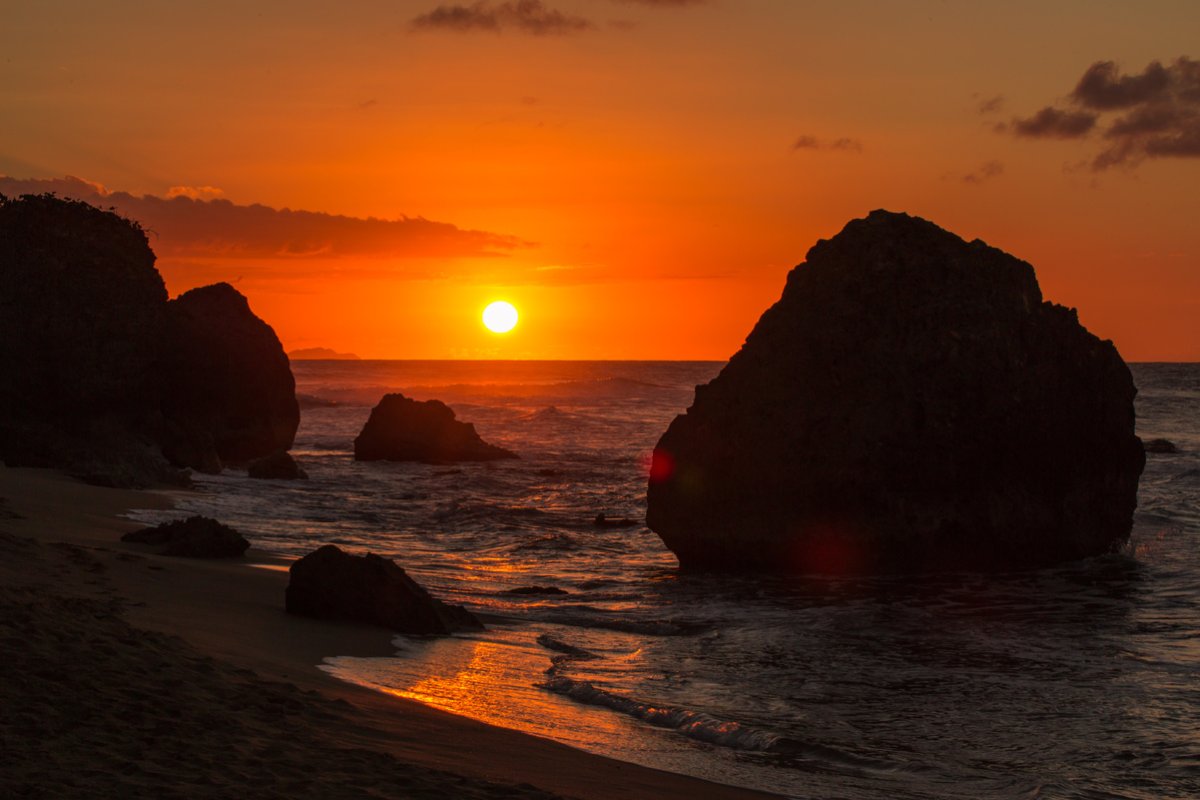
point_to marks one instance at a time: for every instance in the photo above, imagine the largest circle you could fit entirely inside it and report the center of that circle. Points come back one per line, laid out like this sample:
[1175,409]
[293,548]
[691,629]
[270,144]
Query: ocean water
[1076,682]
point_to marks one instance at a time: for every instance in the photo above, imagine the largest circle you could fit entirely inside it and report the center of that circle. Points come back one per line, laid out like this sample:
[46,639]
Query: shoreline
[231,613]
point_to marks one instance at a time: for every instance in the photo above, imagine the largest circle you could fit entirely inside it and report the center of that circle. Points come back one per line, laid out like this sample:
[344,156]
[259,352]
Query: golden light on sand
[500,317]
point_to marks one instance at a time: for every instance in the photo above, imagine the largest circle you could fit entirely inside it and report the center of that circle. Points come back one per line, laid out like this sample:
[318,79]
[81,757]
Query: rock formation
[401,429]
[910,403]
[230,392]
[329,583]
[103,376]
[278,466]
[81,316]
[1161,446]
[194,537]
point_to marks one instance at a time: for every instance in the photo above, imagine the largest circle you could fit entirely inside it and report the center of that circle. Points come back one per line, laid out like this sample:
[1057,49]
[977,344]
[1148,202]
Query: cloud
[1151,114]
[187,227]
[844,144]
[986,172]
[990,105]
[195,192]
[527,16]
[1055,123]
[1103,87]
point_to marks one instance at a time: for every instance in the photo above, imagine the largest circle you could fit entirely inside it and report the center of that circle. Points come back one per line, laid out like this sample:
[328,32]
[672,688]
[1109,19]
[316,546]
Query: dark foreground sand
[125,674]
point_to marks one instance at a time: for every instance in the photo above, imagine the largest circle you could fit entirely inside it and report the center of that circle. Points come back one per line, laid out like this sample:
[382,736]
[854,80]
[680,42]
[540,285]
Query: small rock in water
[1161,446]
[330,583]
[402,429]
[537,590]
[278,466]
[194,537]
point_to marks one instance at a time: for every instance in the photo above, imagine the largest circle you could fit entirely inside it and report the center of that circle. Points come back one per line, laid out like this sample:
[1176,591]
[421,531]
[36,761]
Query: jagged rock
[329,583]
[230,395]
[278,466]
[910,403]
[194,537]
[1161,446]
[401,429]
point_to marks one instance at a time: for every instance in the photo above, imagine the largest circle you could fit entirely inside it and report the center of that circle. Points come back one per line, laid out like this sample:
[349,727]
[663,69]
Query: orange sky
[635,176]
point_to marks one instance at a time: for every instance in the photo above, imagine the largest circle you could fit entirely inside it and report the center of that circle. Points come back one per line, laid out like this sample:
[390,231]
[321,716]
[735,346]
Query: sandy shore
[127,674]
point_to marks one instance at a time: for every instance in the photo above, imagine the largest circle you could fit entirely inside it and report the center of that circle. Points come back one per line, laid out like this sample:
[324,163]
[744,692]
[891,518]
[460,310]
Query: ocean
[1076,682]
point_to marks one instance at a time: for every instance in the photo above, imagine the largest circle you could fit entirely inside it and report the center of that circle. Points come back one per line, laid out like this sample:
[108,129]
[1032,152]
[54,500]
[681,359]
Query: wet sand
[128,674]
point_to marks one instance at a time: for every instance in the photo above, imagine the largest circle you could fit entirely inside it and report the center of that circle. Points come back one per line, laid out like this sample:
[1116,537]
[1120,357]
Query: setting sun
[500,317]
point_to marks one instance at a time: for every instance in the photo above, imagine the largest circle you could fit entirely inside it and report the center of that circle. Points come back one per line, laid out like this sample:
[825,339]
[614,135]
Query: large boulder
[329,583]
[81,318]
[194,537]
[230,395]
[910,403]
[402,429]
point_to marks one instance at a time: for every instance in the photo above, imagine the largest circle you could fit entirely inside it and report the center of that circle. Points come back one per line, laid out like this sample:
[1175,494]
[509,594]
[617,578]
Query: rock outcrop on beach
[278,466]
[104,377]
[194,537]
[910,403]
[82,310]
[230,395]
[330,583]
[402,429]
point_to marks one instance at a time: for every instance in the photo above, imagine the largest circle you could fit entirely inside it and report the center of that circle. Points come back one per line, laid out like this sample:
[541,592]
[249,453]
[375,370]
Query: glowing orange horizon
[638,189]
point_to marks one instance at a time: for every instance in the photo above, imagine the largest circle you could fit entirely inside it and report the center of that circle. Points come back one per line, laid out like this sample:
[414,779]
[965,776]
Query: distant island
[320,354]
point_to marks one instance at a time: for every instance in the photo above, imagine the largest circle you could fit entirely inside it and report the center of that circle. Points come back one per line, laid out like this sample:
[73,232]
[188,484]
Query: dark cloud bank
[187,224]
[1151,114]
[531,17]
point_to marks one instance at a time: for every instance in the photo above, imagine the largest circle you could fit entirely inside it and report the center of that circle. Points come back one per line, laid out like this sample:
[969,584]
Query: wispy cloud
[844,143]
[990,105]
[187,224]
[525,16]
[985,172]
[1151,114]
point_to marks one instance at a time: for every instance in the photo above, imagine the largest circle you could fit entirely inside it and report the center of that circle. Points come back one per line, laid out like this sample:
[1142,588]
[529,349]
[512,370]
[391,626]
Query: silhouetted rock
[230,394]
[537,590]
[81,322]
[1161,446]
[102,376]
[910,403]
[329,583]
[194,537]
[278,466]
[401,429]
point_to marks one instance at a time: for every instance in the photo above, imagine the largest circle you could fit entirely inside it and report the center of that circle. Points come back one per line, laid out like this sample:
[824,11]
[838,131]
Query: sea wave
[693,724]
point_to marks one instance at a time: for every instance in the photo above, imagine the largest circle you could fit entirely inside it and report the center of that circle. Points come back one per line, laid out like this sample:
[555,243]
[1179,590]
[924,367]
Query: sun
[500,317]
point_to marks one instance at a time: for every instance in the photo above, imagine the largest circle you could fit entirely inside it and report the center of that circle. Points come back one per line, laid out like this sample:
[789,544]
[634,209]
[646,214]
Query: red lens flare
[662,466]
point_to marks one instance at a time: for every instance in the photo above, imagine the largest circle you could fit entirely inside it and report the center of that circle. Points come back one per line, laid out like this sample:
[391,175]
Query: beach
[129,674]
